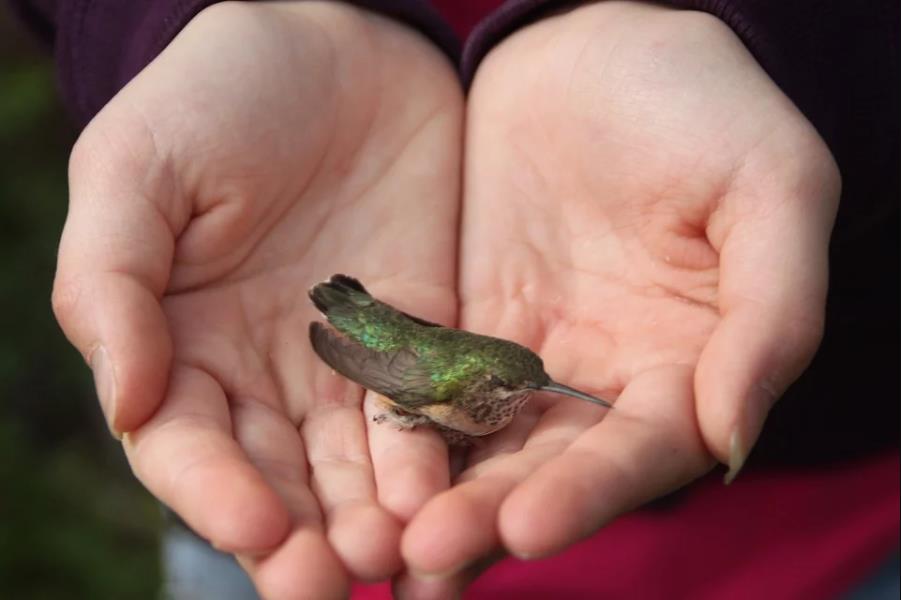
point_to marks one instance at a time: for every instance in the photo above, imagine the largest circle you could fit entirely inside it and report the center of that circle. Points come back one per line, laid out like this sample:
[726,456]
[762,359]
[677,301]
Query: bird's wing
[396,374]
[419,321]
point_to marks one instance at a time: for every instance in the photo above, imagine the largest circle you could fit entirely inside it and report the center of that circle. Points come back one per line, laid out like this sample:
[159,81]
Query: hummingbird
[463,384]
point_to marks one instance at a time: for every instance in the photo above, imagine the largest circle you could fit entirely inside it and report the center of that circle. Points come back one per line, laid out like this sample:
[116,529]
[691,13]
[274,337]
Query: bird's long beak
[559,388]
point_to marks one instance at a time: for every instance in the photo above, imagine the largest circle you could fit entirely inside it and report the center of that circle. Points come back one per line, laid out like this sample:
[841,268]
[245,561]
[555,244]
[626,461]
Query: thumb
[113,266]
[772,294]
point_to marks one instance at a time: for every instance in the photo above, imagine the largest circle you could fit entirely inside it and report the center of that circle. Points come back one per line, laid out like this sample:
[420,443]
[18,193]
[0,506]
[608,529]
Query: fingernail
[737,457]
[747,430]
[105,384]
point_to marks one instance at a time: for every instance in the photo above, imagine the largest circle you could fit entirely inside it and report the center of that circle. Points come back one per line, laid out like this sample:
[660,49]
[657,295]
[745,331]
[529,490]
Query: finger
[772,291]
[411,587]
[410,466]
[648,446]
[364,535]
[186,456]
[457,527]
[408,585]
[304,566]
[113,266]
[273,445]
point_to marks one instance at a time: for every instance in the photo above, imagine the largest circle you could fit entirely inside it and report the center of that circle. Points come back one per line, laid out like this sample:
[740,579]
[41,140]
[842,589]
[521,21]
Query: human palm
[645,209]
[327,141]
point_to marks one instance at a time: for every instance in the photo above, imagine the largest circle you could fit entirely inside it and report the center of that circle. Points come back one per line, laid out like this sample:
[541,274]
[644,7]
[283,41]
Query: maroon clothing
[801,535]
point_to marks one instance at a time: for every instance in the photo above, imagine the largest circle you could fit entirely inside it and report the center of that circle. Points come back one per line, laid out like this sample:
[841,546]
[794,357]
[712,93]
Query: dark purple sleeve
[101,44]
[839,63]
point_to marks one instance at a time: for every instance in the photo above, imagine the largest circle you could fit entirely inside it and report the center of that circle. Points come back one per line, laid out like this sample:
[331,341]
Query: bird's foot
[401,419]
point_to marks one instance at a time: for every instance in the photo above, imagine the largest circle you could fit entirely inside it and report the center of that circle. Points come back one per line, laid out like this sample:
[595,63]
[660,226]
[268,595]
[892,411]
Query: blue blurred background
[74,523]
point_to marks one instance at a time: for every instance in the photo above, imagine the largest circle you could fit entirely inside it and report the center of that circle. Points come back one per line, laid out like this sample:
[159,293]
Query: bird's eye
[496,381]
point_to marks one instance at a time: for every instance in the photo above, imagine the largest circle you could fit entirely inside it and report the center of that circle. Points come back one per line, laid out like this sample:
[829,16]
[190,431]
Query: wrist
[617,20]
[605,24]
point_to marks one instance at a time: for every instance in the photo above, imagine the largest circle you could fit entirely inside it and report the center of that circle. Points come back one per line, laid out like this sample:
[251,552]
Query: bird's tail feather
[340,293]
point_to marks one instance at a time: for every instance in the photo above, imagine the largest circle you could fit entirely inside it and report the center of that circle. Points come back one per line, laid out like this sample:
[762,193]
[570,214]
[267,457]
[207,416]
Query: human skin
[647,210]
[640,204]
[206,198]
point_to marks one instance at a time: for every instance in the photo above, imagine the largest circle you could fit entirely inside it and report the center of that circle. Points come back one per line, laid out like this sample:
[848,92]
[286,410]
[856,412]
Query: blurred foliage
[74,523]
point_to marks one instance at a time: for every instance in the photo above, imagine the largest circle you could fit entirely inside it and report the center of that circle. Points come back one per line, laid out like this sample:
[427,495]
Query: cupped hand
[648,211]
[269,146]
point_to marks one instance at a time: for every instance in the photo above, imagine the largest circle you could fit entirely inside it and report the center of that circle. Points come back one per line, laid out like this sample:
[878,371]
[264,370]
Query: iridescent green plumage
[463,381]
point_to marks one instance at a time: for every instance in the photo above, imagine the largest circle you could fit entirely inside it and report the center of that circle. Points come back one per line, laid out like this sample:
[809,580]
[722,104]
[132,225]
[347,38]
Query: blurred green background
[74,523]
